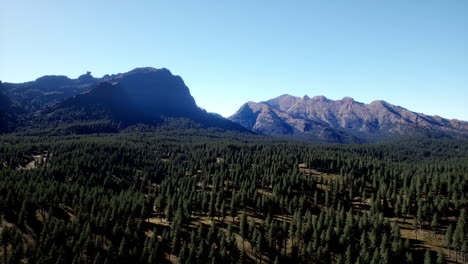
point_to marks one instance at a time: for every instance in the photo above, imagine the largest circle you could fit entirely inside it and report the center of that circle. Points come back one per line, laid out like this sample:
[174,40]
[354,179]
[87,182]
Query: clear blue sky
[409,53]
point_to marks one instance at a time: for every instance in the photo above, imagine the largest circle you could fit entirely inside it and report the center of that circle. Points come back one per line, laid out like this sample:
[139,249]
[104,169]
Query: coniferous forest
[194,195]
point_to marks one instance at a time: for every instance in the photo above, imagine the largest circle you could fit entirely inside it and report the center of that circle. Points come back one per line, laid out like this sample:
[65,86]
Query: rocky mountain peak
[86,77]
[341,120]
[347,100]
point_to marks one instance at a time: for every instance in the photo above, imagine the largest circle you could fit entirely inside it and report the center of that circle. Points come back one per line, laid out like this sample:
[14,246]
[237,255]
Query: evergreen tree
[97,259]
[348,256]
[4,239]
[440,257]
[123,247]
[243,228]
[409,258]
[449,237]
[427,257]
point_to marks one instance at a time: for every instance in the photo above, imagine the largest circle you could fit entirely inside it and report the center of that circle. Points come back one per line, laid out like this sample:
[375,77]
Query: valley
[164,196]
[127,168]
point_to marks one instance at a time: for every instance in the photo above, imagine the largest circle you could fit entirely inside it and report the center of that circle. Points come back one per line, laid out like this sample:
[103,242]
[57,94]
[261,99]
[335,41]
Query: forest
[195,195]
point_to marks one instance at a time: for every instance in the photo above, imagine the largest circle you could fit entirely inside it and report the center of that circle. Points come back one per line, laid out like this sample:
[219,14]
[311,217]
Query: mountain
[143,95]
[344,120]
[34,95]
[155,90]
[148,89]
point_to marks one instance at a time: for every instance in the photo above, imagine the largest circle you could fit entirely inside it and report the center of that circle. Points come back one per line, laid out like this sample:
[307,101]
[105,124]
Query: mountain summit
[155,90]
[342,120]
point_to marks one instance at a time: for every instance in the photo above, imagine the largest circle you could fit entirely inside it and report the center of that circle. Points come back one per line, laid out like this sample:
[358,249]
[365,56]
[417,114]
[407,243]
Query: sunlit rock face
[342,120]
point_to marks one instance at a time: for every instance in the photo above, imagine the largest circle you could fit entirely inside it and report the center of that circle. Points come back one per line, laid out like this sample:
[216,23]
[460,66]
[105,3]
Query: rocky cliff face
[342,120]
[155,90]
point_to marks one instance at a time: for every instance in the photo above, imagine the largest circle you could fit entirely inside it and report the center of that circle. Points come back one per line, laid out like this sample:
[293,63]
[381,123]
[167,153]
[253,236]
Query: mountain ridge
[143,95]
[150,95]
[291,115]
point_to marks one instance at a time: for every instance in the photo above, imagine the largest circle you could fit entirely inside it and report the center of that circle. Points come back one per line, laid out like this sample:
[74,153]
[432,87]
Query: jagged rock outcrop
[156,90]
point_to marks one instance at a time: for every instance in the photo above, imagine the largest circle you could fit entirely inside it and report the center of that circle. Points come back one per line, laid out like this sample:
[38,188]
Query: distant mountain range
[153,96]
[344,120]
[143,95]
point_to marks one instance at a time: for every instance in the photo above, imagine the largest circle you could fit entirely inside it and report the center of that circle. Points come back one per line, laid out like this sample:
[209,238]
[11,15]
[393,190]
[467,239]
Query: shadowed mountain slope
[143,95]
[9,113]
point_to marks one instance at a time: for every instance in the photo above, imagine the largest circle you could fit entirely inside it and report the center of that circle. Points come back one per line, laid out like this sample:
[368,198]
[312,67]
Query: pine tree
[375,257]
[427,257]
[176,242]
[251,229]
[459,234]
[348,257]
[407,244]
[435,223]
[4,239]
[97,259]
[23,212]
[243,228]
[276,260]
[212,257]
[211,234]
[233,207]
[212,206]
[201,252]
[449,237]
[465,249]
[440,257]
[415,227]
[152,257]
[364,253]
[385,257]
[339,259]
[229,231]
[242,257]
[259,246]
[222,212]
[409,257]
[123,247]
[192,253]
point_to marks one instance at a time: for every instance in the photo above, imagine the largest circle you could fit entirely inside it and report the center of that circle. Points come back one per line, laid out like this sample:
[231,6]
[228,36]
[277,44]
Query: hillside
[9,113]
